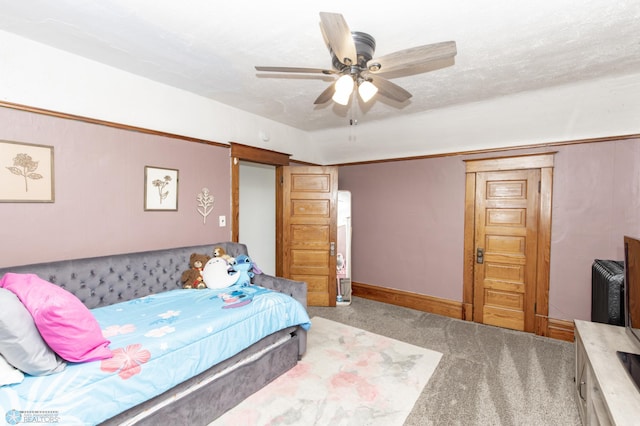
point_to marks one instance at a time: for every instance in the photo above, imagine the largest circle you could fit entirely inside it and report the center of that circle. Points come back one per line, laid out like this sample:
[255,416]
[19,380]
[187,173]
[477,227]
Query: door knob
[480,255]
[332,248]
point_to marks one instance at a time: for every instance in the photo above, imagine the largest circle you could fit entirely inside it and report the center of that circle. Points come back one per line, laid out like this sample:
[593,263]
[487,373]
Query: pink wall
[408,220]
[407,216]
[99,190]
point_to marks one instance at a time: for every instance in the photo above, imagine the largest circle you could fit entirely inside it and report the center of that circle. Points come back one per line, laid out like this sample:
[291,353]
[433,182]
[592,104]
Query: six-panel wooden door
[309,230]
[506,248]
[507,242]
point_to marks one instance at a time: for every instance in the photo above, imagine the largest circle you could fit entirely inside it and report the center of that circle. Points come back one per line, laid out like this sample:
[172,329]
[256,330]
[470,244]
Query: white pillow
[20,341]
[9,375]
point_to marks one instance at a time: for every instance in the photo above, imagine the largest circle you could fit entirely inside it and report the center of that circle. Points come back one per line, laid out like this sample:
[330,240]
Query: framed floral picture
[26,173]
[160,189]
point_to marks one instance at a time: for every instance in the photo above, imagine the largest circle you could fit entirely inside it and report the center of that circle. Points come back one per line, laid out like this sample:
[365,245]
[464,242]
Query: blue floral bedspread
[157,342]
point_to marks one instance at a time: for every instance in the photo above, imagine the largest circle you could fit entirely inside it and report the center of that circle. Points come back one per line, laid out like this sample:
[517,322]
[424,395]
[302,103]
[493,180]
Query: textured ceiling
[210,48]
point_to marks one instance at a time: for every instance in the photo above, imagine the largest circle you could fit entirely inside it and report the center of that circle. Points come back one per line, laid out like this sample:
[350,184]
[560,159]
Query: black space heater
[607,292]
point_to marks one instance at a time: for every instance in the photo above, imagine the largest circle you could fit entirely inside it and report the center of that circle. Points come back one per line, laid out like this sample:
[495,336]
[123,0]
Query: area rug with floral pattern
[348,376]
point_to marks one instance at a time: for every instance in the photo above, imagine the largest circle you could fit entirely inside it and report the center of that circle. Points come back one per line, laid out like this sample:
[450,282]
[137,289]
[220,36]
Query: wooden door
[506,233]
[309,230]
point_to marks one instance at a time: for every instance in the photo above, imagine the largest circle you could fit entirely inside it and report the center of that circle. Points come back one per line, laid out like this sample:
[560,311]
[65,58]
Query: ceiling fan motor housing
[365,48]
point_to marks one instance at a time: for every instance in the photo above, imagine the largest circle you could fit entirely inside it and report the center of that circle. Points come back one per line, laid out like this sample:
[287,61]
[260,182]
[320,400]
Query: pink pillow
[63,321]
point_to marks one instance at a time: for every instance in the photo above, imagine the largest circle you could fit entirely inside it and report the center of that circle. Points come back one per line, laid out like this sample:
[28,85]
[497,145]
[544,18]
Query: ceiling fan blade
[295,69]
[326,95]
[339,38]
[324,37]
[387,88]
[418,69]
[415,57]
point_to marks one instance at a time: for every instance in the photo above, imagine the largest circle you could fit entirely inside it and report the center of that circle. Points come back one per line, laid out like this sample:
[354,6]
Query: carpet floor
[348,376]
[487,375]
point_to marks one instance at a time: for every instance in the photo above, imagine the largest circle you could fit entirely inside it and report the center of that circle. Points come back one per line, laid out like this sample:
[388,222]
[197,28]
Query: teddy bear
[220,252]
[192,277]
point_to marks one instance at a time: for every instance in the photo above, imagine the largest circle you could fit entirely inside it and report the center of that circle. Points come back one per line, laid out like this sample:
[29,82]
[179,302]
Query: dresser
[605,393]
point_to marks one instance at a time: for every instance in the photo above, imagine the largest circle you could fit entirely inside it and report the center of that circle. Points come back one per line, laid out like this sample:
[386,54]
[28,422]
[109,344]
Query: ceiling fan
[352,60]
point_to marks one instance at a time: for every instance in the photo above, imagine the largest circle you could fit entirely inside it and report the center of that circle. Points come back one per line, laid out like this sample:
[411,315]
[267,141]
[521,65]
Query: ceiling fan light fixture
[367,90]
[341,99]
[344,88]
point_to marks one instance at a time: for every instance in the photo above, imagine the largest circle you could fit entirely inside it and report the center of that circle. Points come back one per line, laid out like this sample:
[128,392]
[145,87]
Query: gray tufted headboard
[106,280]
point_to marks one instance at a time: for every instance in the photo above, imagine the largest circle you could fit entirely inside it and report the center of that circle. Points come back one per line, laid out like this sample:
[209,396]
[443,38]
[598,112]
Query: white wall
[258,213]
[597,108]
[36,75]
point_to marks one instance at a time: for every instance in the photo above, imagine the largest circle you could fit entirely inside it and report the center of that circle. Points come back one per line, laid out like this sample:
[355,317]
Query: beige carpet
[348,376]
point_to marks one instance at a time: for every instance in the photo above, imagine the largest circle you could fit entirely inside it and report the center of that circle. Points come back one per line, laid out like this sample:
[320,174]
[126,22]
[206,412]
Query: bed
[179,356]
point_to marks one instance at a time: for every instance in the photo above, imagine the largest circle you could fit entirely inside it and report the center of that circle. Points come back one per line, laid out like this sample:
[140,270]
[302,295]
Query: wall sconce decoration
[205,204]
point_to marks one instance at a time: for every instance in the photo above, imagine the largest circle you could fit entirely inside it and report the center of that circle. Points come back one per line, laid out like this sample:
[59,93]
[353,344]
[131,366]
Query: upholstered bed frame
[106,280]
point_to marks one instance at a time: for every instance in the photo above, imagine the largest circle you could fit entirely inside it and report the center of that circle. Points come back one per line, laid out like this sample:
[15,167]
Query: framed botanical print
[160,189]
[26,173]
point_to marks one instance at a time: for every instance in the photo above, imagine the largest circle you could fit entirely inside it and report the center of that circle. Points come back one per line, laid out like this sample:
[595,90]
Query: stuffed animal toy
[192,277]
[244,267]
[216,274]
[220,252]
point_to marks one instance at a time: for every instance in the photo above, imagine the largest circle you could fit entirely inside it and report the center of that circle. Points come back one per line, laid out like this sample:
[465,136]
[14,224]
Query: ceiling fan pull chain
[353,121]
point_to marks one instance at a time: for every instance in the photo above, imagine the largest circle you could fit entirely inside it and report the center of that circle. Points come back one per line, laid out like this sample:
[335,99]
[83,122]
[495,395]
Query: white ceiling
[210,47]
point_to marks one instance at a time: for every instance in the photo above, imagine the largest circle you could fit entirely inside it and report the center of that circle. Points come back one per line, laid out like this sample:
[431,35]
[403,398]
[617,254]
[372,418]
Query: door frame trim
[240,152]
[544,162]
